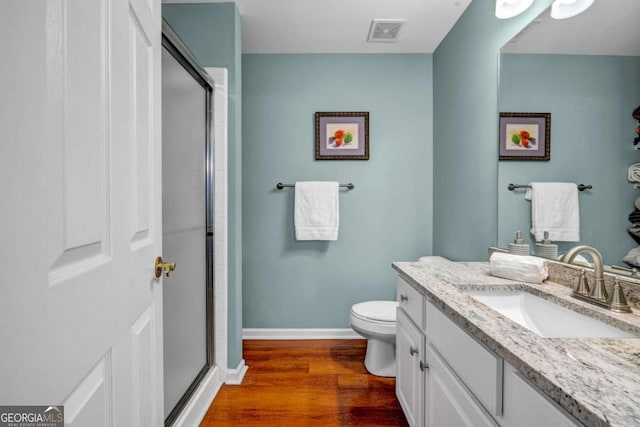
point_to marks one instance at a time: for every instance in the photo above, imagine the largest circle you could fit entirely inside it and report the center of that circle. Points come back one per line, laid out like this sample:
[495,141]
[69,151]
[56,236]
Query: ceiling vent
[385,30]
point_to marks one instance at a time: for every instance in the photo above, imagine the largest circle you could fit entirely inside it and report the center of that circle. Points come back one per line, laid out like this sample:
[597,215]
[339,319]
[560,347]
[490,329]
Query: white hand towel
[518,267]
[316,214]
[554,208]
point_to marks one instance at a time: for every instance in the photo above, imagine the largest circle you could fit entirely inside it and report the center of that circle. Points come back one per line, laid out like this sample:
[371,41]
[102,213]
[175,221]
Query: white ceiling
[608,27]
[341,26]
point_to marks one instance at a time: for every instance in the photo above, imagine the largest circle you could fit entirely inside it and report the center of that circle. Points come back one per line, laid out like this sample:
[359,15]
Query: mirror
[585,71]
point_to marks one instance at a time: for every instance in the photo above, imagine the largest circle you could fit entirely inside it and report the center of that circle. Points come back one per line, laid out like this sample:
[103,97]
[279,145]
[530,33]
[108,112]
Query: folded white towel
[316,214]
[633,257]
[554,208]
[522,268]
[633,175]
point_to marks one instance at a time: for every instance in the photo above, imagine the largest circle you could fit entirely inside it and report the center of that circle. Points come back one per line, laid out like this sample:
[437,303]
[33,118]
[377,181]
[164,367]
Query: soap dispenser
[518,247]
[546,249]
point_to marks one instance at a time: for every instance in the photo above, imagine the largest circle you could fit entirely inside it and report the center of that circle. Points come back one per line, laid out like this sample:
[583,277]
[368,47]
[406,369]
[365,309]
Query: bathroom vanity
[462,363]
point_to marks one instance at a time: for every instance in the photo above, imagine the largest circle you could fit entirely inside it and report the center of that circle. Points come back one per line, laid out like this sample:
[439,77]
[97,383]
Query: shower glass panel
[184,212]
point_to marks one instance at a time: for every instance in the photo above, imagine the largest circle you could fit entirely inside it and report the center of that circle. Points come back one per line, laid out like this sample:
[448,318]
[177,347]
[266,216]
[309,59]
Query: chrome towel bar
[280,186]
[581,187]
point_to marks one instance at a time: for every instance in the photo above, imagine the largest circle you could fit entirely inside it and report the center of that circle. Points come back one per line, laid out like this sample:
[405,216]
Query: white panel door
[80,216]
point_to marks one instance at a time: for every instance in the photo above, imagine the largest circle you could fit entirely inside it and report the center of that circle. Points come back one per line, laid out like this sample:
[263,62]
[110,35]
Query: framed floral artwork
[525,136]
[342,136]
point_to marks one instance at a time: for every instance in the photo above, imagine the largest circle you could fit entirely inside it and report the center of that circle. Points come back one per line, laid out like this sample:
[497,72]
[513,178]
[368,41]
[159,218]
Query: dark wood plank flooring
[306,383]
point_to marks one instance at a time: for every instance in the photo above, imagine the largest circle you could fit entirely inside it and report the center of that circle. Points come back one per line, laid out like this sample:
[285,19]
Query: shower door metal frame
[172,43]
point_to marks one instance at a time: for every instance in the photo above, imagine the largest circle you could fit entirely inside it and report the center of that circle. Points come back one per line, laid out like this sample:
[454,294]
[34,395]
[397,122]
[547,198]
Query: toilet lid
[384,311]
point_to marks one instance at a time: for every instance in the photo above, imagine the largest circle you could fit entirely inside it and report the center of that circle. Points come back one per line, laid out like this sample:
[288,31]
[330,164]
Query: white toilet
[376,321]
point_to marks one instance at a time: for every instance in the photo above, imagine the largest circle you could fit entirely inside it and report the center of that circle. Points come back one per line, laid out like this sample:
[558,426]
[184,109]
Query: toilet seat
[376,321]
[375,311]
[375,318]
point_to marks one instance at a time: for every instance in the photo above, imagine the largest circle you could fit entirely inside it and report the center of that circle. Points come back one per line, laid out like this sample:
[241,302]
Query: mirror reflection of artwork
[525,136]
[522,137]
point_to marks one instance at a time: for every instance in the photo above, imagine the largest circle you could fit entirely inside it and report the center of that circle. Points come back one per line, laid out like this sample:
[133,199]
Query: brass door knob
[161,266]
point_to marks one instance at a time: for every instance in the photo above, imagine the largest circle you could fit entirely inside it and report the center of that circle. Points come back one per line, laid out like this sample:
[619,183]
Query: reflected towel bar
[280,186]
[581,187]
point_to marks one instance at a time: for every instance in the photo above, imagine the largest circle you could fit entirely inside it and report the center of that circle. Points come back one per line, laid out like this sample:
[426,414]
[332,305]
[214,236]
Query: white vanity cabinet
[410,343]
[429,391]
[447,378]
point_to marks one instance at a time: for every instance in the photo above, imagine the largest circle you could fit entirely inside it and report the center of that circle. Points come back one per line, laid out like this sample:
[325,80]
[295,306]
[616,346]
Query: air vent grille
[385,30]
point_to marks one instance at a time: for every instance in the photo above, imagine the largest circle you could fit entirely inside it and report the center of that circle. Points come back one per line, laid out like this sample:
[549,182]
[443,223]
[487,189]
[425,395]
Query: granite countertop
[597,380]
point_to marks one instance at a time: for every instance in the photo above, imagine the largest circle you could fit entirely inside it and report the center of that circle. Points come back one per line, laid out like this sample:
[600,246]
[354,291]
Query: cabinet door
[477,367]
[525,406]
[447,402]
[409,376]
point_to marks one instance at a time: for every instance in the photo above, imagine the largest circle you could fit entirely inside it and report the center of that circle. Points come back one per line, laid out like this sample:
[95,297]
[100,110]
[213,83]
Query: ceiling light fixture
[506,9]
[563,9]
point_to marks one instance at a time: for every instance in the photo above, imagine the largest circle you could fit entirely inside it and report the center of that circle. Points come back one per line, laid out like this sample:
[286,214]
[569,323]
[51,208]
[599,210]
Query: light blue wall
[465,68]
[387,217]
[213,34]
[590,99]
[395,213]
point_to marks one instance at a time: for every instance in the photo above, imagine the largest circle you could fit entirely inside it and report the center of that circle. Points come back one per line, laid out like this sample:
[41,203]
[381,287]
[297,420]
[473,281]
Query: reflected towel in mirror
[554,208]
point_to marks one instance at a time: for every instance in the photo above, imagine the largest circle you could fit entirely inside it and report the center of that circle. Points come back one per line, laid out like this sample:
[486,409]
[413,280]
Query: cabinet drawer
[476,366]
[410,301]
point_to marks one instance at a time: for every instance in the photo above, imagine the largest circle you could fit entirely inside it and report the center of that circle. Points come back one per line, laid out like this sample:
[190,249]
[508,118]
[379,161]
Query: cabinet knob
[423,365]
[413,350]
[403,298]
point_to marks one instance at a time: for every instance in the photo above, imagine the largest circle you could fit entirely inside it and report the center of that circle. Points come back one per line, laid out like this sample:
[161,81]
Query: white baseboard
[298,334]
[197,407]
[235,376]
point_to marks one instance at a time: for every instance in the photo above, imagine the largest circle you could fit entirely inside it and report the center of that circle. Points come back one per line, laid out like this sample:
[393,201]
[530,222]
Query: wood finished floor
[306,383]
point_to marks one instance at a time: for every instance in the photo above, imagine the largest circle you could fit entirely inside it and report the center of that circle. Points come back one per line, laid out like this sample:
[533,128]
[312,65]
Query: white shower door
[185,150]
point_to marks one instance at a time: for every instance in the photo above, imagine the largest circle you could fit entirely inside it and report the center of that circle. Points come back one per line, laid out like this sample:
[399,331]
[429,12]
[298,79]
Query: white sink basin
[544,317]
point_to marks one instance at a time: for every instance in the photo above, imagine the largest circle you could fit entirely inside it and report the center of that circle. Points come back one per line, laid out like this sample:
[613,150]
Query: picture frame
[342,135]
[524,136]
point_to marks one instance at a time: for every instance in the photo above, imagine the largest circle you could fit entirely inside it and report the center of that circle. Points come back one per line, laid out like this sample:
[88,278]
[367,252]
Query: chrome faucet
[598,294]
